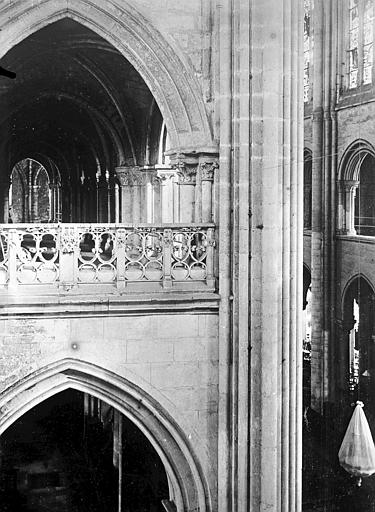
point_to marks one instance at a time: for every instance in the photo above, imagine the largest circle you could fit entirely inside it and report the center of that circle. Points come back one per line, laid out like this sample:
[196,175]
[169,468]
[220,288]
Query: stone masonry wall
[355,122]
[172,357]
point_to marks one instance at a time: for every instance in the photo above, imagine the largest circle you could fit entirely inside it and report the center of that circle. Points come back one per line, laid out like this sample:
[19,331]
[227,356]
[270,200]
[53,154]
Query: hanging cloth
[357,451]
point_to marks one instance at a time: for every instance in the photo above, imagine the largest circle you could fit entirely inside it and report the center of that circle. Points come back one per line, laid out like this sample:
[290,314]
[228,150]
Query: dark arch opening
[82,104]
[67,454]
[359,353]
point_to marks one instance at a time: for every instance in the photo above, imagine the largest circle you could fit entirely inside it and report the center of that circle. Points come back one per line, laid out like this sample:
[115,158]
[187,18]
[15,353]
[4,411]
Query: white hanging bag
[357,451]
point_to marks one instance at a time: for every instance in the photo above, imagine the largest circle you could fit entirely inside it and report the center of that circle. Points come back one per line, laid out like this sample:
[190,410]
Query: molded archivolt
[169,79]
[189,490]
[352,159]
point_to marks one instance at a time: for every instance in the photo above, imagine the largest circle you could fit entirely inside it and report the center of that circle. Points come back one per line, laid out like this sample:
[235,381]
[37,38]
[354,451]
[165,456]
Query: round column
[123,174]
[166,178]
[102,199]
[207,179]
[34,204]
[138,181]
[350,193]
[187,181]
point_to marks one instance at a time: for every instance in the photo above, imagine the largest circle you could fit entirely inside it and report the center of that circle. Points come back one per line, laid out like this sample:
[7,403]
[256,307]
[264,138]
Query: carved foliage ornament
[208,170]
[129,177]
[187,176]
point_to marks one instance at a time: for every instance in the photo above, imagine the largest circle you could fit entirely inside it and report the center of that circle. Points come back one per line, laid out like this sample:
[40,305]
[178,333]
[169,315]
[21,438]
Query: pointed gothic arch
[188,488]
[169,77]
[356,181]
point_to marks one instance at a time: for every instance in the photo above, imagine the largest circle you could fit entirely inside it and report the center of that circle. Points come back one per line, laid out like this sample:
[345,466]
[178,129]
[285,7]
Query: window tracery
[360,42]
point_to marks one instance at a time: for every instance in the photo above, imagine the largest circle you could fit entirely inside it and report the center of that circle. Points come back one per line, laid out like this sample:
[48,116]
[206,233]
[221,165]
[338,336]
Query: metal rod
[119,462]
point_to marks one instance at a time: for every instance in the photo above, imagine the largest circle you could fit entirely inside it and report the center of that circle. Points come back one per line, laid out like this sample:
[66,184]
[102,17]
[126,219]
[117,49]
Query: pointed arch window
[360,42]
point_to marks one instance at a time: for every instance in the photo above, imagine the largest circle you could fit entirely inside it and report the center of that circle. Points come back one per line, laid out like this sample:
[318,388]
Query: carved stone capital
[130,176]
[123,175]
[187,162]
[138,177]
[179,163]
[208,170]
[350,185]
[151,177]
[187,176]
[164,175]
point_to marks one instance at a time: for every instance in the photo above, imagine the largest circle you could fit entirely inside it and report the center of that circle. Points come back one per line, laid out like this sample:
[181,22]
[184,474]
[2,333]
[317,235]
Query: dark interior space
[61,456]
[77,106]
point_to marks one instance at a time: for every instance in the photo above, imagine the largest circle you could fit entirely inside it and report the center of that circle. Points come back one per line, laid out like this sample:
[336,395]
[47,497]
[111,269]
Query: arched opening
[364,212]
[30,193]
[74,452]
[79,102]
[355,205]
[359,335]
[187,489]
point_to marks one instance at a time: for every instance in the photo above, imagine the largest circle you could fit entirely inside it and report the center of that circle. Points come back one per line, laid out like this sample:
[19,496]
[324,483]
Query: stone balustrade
[90,258]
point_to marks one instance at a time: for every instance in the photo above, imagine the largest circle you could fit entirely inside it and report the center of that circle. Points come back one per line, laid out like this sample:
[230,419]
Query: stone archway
[356,370]
[357,159]
[170,80]
[188,489]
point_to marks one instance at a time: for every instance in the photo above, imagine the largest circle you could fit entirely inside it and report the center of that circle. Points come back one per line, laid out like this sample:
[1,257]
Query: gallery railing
[79,256]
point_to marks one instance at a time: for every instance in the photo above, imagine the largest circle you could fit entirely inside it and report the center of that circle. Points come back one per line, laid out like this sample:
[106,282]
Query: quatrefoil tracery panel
[37,256]
[97,255]
[143,255]
[189,254]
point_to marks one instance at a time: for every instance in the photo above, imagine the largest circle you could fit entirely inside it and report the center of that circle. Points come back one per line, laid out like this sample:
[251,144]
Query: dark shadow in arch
[188,487]
[61,455]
